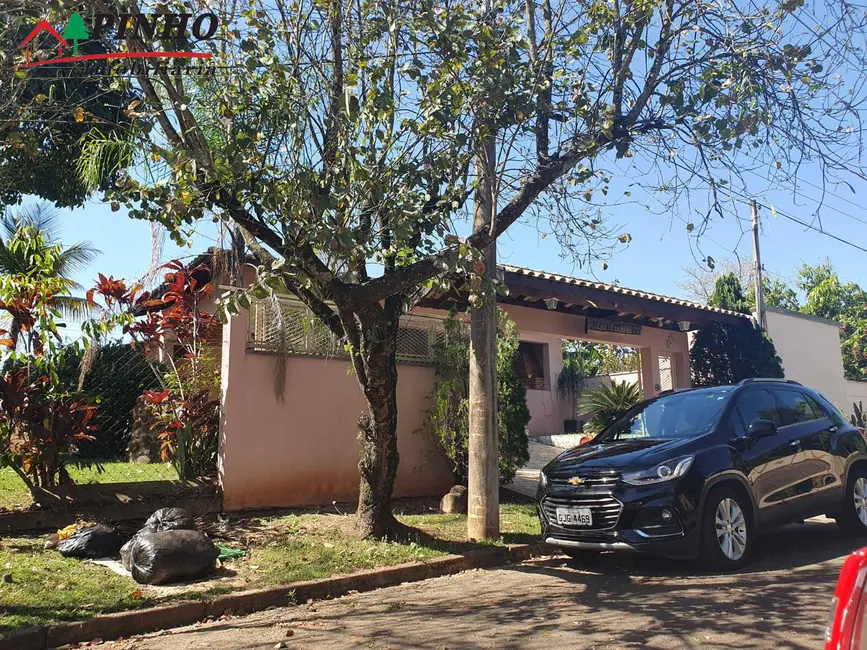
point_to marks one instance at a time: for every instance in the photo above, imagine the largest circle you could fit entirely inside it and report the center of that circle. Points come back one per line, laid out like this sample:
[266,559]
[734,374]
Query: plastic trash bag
[125,552]
[91,542]
[170,556]
[169,519]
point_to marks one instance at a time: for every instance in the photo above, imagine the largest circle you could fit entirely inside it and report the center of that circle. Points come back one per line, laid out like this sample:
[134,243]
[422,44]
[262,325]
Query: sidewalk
[527,477]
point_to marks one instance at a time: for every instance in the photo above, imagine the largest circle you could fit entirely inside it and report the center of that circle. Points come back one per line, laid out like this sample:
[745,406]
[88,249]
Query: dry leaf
[78,113]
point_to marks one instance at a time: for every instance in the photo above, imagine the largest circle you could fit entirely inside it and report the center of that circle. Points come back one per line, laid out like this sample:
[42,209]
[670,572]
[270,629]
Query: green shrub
[607,403]
[448,420]
[724,354]
[118,375]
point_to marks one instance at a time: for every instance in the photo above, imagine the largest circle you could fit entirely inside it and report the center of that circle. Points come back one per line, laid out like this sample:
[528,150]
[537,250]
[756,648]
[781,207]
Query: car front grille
[588,481]
[604,508]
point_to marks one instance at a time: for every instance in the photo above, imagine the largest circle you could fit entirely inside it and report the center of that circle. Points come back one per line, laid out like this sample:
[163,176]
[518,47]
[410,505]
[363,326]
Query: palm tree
[30,250]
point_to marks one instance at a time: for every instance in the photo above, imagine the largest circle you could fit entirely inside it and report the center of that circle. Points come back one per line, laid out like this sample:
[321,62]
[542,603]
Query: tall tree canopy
[846,303]
[699,283]
[50,115]
[340,135]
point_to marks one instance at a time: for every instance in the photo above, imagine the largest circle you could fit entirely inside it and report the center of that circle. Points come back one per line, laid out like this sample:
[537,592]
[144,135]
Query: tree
[337,135]
[728,294]
[700,281]
[828,297]
[725,354]
[777,294]
[37,266]
[51,114]
[75,31]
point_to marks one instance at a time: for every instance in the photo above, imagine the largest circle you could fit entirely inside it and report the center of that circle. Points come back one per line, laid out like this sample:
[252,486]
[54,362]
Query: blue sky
[653,261]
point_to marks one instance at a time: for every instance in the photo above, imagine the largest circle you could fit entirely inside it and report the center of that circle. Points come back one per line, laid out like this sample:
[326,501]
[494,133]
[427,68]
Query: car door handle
[833,429]
[795,443]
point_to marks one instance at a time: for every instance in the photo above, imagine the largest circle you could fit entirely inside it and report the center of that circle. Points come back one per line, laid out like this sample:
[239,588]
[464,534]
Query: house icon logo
[44,26]
[147,28]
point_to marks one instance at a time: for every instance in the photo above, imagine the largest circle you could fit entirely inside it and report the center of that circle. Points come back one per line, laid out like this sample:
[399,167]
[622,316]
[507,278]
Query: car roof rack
[750,380]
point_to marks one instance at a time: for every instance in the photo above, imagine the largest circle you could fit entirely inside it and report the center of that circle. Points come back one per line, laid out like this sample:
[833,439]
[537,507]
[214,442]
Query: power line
[812,227]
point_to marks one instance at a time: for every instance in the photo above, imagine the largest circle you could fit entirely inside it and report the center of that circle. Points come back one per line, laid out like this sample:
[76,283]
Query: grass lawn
[46,587]
[13,493]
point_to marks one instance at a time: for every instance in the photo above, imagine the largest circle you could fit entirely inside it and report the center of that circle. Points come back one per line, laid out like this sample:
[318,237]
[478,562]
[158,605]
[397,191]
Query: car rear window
[795,407]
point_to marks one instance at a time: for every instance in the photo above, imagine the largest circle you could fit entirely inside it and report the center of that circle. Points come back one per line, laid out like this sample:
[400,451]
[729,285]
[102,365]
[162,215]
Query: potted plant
[570,383]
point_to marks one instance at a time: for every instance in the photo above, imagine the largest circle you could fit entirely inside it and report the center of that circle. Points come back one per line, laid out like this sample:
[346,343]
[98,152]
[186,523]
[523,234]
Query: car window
[794,406]
[758,404]
[818,409]
[677,415]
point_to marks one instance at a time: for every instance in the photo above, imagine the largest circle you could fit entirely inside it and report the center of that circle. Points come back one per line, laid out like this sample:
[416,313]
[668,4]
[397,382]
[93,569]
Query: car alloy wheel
[859,493]
[731,528]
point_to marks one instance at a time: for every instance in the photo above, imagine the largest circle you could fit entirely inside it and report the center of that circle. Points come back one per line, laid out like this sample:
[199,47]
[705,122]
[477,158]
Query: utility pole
[757,265]
[483,489]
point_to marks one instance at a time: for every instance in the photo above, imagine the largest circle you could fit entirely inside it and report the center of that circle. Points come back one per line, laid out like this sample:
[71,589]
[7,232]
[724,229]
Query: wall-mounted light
[551,303]
[683,325]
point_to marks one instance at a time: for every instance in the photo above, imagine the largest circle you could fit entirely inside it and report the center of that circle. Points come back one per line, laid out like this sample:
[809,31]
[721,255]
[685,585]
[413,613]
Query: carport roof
[535,289]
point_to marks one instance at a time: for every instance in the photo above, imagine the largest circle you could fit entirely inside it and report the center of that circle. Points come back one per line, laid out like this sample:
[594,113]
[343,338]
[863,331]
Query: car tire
[582,555]
[851,519]
[726,531]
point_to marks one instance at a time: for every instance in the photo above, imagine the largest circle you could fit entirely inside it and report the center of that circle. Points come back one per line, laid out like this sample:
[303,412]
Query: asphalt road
[780,601]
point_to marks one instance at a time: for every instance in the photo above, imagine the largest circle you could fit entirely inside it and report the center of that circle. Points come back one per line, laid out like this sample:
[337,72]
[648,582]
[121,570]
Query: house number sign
[599,325]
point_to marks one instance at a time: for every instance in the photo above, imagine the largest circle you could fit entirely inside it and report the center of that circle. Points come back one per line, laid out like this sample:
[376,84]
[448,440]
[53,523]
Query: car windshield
[679,415]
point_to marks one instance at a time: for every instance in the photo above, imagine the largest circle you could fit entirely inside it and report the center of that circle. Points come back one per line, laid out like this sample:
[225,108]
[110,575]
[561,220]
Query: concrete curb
[126,624]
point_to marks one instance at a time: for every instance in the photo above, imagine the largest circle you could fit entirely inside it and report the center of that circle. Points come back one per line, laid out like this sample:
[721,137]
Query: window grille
[306,335]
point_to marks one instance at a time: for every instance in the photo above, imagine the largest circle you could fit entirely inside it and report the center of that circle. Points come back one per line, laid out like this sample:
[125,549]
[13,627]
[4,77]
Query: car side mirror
[762,429]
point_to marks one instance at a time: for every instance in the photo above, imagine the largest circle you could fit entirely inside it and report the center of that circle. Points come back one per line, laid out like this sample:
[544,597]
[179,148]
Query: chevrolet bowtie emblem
[576,480]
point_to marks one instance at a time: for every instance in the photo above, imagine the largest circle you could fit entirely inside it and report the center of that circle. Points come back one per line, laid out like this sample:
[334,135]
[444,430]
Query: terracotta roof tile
[565,279]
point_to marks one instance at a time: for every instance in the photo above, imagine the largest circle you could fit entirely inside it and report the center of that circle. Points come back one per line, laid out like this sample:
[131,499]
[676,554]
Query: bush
[607,403]
[448,420]
[725,354]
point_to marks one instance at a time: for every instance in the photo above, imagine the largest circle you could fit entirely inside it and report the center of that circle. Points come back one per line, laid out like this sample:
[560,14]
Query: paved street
[622,602]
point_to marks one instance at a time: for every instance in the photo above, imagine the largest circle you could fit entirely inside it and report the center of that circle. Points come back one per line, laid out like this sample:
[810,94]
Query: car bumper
[638,526]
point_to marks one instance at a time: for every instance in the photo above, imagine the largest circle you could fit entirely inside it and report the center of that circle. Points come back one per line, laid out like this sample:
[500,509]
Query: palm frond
[75,258]
[72,307]
[39,216]
[102,155]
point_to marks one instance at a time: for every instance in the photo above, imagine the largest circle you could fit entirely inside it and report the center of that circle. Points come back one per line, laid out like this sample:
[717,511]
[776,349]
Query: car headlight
[667,471]
[543,480]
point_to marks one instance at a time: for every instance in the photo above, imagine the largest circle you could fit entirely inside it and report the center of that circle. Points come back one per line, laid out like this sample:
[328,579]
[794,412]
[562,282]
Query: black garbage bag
[169,519]
[125,552]
[171,556]
[91,542]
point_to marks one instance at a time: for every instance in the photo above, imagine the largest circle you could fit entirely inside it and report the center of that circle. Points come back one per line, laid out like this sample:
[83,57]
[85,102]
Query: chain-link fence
[127,447]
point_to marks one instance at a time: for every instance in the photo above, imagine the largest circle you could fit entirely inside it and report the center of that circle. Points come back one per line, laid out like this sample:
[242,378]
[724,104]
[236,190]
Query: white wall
[856,391]
[810,350]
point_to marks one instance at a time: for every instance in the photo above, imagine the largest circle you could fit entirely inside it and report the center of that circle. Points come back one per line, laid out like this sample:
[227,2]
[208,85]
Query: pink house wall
[303,451]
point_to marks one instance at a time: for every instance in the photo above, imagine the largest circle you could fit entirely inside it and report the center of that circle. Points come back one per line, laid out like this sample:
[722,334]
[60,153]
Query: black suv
[697,472]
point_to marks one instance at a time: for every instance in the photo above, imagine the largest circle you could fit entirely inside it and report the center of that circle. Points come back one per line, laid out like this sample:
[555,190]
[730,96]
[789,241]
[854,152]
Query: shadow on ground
[621,602]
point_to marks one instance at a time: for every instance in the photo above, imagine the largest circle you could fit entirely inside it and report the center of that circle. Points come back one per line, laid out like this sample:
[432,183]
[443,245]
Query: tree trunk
[373,333]
[483,507]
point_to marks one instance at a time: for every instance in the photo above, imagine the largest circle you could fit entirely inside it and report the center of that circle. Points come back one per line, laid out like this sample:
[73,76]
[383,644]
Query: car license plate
[574,516]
